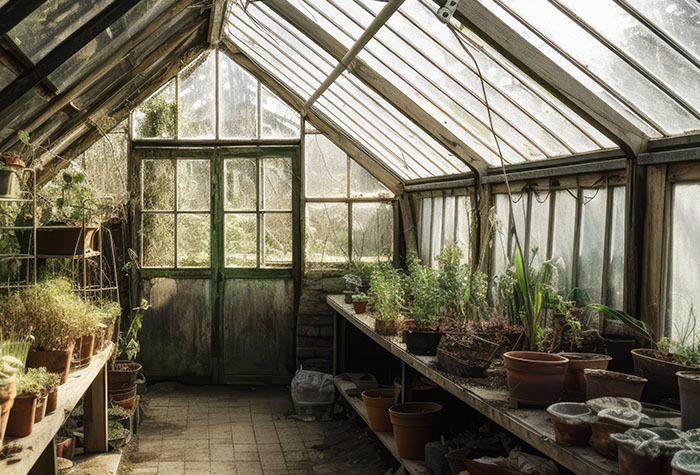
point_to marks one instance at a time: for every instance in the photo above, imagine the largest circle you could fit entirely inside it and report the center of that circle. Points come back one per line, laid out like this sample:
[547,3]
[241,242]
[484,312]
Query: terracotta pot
[534,378]
[360,307]
[386,327]
[64,240]
[53,361]
[84,350]
[574,380]
[569,430]
[415,424]
[40,411]
[600,382]
[125,398]
[689,388]
[52,401]
[65,448]
[377,402]
[686,462]
[123,376]
[7,400]
[21,420]
[422,342]
[602,442]
[630,462]
[661,375]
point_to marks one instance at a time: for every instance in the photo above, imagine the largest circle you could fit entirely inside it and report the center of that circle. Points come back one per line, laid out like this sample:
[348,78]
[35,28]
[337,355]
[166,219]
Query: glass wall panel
[197,99]
[463,231]
[539,228]
[276,181]
[326,234]
[426,223]
[238,101]
[156,118]
[193,240]
[326,174]
[158,178]
[499,247]
[240,240]
[564,228]
[616,272]
[364,185]
[240,188]
[279,121]
[592,242]
[193,182]
[372,231]
[158,231]
[436,231]
[278,239]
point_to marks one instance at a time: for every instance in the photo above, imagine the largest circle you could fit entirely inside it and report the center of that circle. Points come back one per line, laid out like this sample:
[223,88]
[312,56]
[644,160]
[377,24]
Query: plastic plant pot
[572,423]
[601,383]
[415,424]
[534,378]
[423,343]
[377,402]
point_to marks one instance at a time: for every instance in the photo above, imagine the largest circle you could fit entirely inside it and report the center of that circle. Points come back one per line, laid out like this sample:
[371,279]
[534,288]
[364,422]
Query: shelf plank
[414,467]
[26,450]
[531,425]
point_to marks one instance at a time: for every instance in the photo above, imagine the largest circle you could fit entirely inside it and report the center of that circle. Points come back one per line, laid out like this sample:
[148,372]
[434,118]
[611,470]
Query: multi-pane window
[349,214]
[186,107]
[175,212]
[444,220]
[580,230]
[258,212]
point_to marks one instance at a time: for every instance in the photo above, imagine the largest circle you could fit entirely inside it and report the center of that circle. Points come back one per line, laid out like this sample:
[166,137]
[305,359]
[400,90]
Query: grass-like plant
[386,291]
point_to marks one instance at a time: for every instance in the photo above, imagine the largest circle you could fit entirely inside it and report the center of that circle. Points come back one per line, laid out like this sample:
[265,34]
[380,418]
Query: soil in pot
[633,463]
[377,402]
[52,401]
[53,361]
[572,423]
[123,375]
[534,378]
[600,383]
[360,307]
[465,355]
[40,411]
[21,421]
[64,240]
[7,400]
[415,424]
[386,327]
[661,374]
[422,342]
[689,387]
[574,381]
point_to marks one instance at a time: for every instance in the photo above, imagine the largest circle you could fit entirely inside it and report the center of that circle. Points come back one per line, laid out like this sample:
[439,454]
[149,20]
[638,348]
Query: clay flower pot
[574,380]
[40,411]
[125,398]
[53,361]
[360,307]
[631,462]
[84,350]
[377,402]
[7,400]
[534,378]
[52,401]
[21,422]
[689,388]
[422,342]
[123,375]
[602,442]
[600,383]
[661,375]
[65,448]
[572,423]
[415,424]
[64,240]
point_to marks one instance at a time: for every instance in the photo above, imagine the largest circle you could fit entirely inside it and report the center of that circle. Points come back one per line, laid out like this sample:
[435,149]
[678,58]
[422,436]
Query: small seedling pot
[420,342]
[21,421]
[84,350]
[65,447]
[602,442]
[600,383]
[534,378]
[53,361]
[572,423]
[689,388]
[9,183]
[52,401]
[377,402]
[631,462]
[415,424]
[360,307]
[575,381]
[40,411]
[125,398]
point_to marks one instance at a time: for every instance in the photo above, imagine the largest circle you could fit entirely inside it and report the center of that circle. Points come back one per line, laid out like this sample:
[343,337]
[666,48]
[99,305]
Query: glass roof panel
[679,19]
[106,43]
[583,52]
[54,21]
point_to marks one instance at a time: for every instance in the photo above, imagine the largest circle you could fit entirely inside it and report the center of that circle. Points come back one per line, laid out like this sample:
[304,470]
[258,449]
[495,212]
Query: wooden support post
[46,463]
[95,414]
[335,343]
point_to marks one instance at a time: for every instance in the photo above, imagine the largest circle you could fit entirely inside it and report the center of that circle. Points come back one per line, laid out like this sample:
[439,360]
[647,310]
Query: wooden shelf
[27,450]
[533,426]
[414,467]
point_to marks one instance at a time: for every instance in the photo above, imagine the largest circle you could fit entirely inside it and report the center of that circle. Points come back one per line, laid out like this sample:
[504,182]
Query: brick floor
[225,430]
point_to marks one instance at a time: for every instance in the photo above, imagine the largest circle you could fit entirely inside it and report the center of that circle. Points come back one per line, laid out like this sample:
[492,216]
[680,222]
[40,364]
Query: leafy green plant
[352,282]
[386,291]
[453,281]
[62,200]
[636,325]
[36,381]
[478,308]
[160,118]
[129,340]
[423,292]
[531,293]
[361,297]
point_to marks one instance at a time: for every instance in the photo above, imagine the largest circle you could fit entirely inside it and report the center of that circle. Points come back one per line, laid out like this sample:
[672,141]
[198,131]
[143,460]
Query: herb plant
[423,292]
[386,291]
[453,281]
[129,340]
[352,282]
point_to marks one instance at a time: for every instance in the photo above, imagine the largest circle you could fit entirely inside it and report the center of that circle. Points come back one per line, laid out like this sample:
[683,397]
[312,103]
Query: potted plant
[23,413]
[387,299]
[415,424]
[123,373]
[425,301]
[9,366]
[359,302]
[45,383]
[352,286]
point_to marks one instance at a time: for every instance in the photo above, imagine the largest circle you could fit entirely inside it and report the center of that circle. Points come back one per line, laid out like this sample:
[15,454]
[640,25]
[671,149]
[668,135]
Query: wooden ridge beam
[12,13]
[216,21]
[92,76]
[550,75]
[63,52]
[381,85]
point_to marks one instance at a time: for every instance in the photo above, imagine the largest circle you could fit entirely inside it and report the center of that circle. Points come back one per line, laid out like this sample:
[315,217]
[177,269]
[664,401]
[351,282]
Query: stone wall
[314,322]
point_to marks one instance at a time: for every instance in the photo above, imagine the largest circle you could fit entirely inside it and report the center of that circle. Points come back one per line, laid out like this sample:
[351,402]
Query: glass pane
[616,272]
[326,234]
[563,237]
[592,242]
[156,118]
[520,201]
[435,232]
[158,184]
[326,168]
[372,232]
[279,121]
[238,101]
[193,246]
[47,26]
[197,99]
[679,19]
[539,228]
[193,183]
[158,233]
[240,240]
[277,183]
[499,246]
[463,227]
[239,184]
[426,221]
[278,239]
[448,225]
[364,185]
[684,263]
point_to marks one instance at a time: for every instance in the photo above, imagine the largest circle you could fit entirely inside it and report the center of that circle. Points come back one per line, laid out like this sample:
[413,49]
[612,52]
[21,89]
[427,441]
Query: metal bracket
[445,13]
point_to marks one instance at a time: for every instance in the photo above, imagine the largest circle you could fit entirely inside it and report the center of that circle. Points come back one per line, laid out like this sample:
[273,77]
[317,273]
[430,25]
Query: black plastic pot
[423,343]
